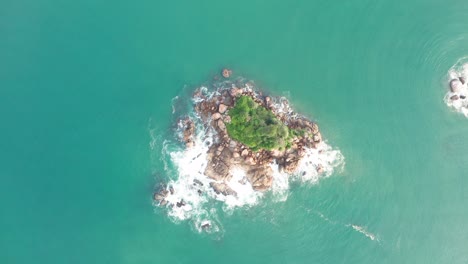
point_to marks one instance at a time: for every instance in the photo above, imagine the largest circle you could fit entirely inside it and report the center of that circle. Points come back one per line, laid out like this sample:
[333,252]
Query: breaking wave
[189,194]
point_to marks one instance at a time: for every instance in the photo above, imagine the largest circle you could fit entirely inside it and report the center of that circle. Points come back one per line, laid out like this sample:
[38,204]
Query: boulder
[244,153]
[159,197]
[235,92]
[276,153]
[196,181]
[250,160]
[454,97]
[227,119]
[206,225]
[291,163]
[216,116]
[261,178]
[317,138]
[222,108]
[319,169]
[301,152]
[218,166]
[180,204]
[462,79]
[268,102]
[221,125]
[189,130]
[226,73]
[227,99]
[314,127]
[222,188]
[232,144]
[455,85]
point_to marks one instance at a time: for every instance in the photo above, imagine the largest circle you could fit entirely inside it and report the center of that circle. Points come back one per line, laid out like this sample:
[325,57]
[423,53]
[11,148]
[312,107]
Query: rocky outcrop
[290,162]
[222,108]
[189,132]
[234,92]
[226,73]
[455,85]
[226,154]
[261,177]
[222,188]
[216,116]
[160,196]
[219,163]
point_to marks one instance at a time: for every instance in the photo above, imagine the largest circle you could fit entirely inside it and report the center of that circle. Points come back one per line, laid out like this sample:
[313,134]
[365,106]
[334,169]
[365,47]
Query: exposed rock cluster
[189,131]
[225,153]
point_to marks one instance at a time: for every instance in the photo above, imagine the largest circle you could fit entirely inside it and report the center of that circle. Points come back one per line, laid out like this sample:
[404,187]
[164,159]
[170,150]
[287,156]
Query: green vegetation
[257,127]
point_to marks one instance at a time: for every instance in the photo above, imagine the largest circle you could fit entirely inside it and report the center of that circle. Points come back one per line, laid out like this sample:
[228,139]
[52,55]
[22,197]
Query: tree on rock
[257,127]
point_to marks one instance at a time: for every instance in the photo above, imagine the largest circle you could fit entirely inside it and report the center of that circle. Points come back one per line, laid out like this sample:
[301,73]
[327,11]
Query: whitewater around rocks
[457,96]
[188,192]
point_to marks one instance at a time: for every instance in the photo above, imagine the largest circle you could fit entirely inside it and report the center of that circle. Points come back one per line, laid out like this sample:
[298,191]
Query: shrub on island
[257,127]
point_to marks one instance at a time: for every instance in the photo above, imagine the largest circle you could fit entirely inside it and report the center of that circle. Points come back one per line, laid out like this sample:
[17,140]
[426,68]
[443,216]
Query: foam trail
[173,103]
[363,231]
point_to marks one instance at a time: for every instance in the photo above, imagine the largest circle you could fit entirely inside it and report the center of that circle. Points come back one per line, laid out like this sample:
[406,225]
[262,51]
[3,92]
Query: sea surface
[87,86]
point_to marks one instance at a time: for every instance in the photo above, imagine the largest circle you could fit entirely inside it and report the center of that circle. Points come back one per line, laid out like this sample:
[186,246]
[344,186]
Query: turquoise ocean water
[82,83]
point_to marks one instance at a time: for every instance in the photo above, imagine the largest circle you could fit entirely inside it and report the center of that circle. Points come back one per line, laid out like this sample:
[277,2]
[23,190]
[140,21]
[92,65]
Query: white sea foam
[190,196]
[323,158]
[363,231]
[459,70]
[280,186]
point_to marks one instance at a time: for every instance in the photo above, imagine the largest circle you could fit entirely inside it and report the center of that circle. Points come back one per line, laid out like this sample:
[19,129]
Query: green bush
[257,127]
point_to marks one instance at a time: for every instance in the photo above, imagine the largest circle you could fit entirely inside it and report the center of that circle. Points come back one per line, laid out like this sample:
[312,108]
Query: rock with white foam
[455,85]
[462,79]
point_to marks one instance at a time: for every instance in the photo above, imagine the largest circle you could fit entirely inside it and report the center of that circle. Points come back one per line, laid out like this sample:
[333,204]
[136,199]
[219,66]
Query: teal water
[83,82]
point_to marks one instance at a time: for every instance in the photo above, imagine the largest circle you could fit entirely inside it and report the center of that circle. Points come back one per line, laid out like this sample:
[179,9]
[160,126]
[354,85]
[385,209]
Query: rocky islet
[226,154]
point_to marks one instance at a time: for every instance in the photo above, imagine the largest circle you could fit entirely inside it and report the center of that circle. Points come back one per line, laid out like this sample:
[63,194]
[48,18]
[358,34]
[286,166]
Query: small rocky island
[456,97]
[250,132]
